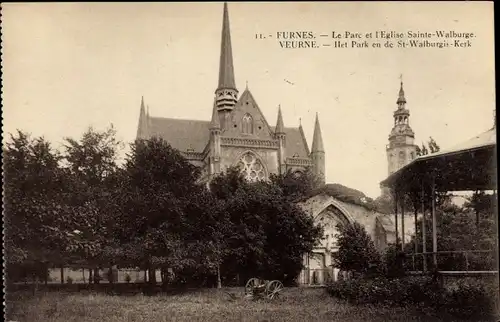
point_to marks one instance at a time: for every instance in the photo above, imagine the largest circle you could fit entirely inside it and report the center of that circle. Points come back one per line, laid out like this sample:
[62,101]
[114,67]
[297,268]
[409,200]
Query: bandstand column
[434,224]
[424,243]
[396,214]
[402,203]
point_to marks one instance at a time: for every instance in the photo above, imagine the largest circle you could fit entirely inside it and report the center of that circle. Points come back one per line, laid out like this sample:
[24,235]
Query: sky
[68,66]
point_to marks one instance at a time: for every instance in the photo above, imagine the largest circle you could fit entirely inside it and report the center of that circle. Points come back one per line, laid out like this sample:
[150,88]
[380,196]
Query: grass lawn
[297,304]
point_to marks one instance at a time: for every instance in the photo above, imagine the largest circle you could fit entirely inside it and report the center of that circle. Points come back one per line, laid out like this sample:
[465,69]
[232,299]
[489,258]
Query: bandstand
[470,166]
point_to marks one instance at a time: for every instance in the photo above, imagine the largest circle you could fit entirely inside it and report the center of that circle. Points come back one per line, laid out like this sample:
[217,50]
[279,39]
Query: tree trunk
[110,275]
[35,283]
[219,282]
[83,275]
[152,276]
[46,274]
[62,275]
[90,276]
[96,276]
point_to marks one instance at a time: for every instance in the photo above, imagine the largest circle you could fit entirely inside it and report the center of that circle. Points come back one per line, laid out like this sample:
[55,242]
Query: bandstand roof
[470,165]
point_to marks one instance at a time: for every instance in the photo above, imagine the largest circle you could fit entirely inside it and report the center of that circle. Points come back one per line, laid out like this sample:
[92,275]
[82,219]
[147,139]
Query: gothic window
[247,124]
[251,167]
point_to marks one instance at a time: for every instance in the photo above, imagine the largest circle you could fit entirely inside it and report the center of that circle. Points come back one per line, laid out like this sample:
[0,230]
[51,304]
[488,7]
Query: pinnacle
[280,127]
[317,143]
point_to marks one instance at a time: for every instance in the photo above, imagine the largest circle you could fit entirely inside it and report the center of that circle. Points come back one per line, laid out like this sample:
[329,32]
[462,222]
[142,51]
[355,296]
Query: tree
[357,251]
[458,231]
[296,185]
[424,150]
[37,220]
[267,234]
[418,150]
[166,218]
[433,146]
[480,203]
[91,166]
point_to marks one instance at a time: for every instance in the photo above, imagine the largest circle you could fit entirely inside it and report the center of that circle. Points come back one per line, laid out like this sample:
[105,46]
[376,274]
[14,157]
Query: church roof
[181,134]
[194,134]
[295,143]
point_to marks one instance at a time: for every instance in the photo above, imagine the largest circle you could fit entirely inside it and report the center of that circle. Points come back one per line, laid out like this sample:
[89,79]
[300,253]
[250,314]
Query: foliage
[346,194]
[165,218]
[80,207]
[267,235]
[381,290]
[37,220]
[296,185]
[458,232]
[356,251]
[91,166]
[467,300]
[471,299]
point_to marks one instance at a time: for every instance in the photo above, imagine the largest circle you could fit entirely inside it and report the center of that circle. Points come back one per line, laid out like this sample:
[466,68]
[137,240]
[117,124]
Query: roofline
[435,156]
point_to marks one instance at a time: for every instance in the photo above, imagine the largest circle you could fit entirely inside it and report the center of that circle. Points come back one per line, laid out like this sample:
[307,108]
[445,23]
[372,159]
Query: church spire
[280,127]
[401,98]
[226,91]
[317,143]
[226,69]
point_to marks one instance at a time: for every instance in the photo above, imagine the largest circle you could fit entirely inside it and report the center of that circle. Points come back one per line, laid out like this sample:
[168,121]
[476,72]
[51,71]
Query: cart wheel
[273,289]
[251,284]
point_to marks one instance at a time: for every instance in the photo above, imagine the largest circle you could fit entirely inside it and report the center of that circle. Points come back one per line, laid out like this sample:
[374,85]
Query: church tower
[226,94]
[401,149]
[318,153]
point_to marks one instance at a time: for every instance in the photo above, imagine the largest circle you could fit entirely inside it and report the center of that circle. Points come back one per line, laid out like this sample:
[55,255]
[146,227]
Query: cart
[258,288]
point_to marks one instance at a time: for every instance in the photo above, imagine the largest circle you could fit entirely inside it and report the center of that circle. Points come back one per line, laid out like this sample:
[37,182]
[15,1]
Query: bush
[69,280]
[357,252]
[471,299]
[127,278]
[381,290]
[468,299]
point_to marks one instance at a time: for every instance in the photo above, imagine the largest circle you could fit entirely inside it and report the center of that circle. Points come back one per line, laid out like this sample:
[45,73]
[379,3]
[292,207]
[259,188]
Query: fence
[77,275]
[461,260]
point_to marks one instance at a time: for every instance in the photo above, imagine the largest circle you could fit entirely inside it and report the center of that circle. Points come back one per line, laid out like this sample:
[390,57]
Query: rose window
[251,168]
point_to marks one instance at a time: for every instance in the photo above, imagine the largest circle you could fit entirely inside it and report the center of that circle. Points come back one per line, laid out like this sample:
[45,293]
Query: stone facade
[328,211]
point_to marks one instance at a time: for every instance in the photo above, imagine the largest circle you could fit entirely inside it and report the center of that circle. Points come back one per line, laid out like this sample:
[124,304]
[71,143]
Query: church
[237,134]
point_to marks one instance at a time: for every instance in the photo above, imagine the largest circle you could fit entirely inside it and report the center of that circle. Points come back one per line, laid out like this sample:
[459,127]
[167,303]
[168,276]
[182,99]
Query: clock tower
[401,149]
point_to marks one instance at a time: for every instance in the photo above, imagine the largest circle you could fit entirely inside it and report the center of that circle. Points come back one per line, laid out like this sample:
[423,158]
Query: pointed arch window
[247,124]
[251,167]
